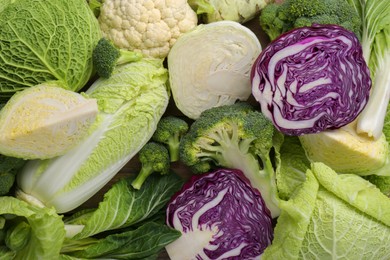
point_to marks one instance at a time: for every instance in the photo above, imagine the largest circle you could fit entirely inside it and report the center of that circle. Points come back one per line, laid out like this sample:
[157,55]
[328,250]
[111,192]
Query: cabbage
[347,152]
[332,216]
[44,121]
[44,40]
[220,216]
[312,79]
[130,102]
[210,66]
[46,235]
[376,50]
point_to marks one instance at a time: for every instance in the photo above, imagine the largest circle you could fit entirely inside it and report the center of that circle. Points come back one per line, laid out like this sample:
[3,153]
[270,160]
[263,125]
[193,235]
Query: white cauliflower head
[147,26]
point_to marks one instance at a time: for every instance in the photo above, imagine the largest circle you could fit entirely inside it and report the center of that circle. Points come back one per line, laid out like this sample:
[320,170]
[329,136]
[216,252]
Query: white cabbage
[211,65]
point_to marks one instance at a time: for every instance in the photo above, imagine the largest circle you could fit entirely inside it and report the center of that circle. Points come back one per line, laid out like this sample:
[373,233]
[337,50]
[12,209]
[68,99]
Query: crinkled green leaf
[47,229]
[5,3]
[292,167]
[293,221]
[345,218]
[340,231]
[44,40]
[355,191]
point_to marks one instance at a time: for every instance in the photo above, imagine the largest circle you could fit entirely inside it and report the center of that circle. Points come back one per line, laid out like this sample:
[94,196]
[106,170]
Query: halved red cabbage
[311,79]
[220,216]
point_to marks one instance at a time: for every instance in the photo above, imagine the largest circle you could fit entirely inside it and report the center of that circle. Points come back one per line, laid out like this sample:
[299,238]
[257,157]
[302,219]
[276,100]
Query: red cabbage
[311,79]
[220,216]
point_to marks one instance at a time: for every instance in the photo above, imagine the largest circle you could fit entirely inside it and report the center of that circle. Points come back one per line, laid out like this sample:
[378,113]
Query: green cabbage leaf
[332,216]
[43,40]
[47,234]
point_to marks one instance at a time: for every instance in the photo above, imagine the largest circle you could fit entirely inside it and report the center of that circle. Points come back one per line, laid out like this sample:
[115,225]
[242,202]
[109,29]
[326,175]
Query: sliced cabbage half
[345,151]
[45,121]
[211,65]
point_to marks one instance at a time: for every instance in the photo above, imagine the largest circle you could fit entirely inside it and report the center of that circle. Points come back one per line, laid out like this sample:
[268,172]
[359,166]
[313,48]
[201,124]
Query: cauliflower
[147,26]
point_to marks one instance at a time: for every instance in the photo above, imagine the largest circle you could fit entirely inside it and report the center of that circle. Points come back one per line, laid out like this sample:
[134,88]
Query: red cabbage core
[223,202]
[312,79]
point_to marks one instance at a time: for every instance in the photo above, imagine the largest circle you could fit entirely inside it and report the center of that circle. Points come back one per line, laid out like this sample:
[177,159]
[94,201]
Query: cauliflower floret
[147,26]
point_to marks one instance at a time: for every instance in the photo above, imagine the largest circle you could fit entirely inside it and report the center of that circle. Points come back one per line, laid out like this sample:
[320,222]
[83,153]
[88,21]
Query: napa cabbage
[130,103]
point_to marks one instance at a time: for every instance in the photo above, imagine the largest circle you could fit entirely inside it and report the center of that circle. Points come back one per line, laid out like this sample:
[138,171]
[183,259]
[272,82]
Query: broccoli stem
[144,173]
[128,56]
[235,154]
[173,148]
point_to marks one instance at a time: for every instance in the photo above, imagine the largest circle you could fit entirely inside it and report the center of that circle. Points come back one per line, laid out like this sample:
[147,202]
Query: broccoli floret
[273,20]
[170,130]
[154,157]
[106,56]
[9,166]
[238,137]
[276,19]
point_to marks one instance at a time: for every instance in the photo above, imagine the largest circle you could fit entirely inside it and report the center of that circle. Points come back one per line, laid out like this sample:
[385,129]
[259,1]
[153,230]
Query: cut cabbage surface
[210,66]
[44,121]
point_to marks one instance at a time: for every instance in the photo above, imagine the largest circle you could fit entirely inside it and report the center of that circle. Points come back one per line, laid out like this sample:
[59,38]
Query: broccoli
[238,137]
[9,166]
[106,56]
[169,131]
[154,157]
[276,19]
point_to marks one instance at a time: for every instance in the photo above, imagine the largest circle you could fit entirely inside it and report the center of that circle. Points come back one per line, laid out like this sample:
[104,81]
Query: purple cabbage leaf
[311,79]
[220,216]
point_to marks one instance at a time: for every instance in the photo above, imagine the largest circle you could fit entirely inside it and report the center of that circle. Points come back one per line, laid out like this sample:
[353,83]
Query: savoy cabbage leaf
[43,40]
[332,216]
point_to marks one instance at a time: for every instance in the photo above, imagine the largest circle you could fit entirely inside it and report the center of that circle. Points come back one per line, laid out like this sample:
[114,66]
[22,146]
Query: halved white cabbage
[44,121]
[210,66]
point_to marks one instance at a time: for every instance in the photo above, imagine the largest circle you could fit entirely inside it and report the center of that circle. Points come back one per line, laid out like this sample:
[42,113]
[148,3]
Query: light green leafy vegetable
[43,40]
[46,231]
[130,103]
[4,3]
[332,217]
[375,19]
[292,166]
